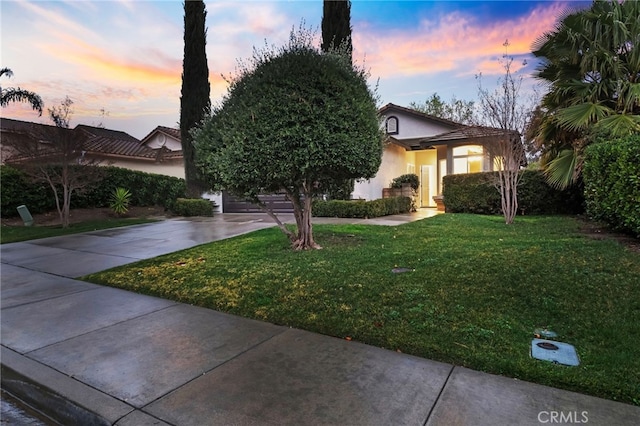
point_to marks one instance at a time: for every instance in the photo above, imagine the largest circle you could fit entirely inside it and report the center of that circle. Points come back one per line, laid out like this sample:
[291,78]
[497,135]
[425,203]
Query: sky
[120,61]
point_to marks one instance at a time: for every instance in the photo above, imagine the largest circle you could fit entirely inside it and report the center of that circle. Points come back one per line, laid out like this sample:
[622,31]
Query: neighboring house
[429,147]
[111,147]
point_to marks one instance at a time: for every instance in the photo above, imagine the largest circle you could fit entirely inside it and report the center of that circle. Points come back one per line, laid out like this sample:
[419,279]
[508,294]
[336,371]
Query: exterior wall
[160,139]
[414,127]
[394,164]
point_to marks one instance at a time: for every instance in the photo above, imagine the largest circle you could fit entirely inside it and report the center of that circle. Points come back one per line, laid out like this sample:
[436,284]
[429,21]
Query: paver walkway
[91,354]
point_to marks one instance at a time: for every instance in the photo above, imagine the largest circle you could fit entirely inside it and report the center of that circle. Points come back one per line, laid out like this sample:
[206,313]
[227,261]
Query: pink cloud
[455,42]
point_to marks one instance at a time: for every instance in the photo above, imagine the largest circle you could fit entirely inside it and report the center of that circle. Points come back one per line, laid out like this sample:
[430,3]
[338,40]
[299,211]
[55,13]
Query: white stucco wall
[410,126]
[394,164]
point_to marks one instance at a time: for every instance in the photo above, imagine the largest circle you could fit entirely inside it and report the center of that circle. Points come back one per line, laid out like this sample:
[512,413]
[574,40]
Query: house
[430,147]
[110,147]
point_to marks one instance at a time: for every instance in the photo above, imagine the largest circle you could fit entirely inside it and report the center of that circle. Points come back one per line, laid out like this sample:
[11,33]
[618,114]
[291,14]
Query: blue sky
[125,57]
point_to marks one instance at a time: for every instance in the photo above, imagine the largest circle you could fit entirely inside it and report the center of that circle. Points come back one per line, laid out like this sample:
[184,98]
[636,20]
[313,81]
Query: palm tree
[591,66]
[16,94]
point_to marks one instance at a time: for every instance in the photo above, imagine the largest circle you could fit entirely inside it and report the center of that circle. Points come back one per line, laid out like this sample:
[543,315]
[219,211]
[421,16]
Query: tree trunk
[302,212]
[508,187]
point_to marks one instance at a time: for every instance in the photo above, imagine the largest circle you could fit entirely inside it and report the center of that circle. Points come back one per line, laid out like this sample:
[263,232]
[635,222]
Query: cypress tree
[195,100]
[336,33]
[336,25]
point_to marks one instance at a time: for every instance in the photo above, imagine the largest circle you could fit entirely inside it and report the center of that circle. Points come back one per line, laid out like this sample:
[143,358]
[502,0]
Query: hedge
[193,207]
[147,189]
[611,175]
[361,208]
[18,189]
[475,193]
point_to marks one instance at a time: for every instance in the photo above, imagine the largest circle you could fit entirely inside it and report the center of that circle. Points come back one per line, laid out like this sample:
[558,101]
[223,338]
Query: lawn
[476,291]
[12,234]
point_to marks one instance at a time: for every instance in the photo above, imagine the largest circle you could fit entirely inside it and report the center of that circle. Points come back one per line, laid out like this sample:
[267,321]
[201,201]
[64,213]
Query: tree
[195,101]
[294,119]
[336,26]
[590,64]
[16,94]
[336,36]
[456,110]
[56,155]
[503,109]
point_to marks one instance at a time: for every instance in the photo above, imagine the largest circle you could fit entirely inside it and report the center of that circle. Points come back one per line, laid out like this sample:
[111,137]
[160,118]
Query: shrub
[193,207]
[120,199]
[150,190]
[18,189]
[361,208]
[412,179]
[611,174]
[475,193]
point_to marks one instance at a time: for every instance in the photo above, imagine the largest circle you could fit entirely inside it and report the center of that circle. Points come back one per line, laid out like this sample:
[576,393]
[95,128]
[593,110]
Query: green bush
[18,189]
[193,207]
[361,208]
[410,178]
[147,190]
[475,193]
[611,174]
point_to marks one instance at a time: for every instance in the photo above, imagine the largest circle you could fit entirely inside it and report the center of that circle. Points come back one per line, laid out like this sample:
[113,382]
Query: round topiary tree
[295,120]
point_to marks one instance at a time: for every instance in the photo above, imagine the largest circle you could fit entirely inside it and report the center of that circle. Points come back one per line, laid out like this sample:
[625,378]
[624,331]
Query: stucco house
[430,147]
[111,147]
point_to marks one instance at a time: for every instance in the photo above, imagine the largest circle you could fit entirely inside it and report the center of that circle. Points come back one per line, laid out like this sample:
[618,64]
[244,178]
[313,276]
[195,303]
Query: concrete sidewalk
[89,354]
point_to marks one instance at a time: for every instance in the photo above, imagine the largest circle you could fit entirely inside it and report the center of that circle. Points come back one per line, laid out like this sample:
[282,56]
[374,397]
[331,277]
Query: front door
[426,182]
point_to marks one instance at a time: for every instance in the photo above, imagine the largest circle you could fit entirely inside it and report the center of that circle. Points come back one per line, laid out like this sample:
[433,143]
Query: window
[468,159]
[391,125]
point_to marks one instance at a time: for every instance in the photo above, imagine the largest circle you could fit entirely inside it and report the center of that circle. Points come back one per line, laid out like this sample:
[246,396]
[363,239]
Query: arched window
[391,125]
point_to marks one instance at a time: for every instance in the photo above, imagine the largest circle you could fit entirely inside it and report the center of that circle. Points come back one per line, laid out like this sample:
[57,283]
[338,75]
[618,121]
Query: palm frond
[620,124]
[560,172]
[580,116]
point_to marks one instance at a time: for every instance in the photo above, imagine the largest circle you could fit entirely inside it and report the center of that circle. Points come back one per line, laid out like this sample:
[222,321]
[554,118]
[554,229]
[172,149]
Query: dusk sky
[125,57]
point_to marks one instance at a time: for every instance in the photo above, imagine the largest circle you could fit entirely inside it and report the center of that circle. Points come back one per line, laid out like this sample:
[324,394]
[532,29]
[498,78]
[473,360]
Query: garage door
[276,202]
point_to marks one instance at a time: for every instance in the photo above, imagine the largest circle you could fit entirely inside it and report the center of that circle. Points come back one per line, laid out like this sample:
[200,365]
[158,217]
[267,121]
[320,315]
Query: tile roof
[129,149]
[107,133]
[106,142]
[462,134]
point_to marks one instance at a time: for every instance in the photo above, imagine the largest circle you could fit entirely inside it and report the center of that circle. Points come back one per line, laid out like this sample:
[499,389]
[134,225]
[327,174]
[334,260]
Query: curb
[60,397]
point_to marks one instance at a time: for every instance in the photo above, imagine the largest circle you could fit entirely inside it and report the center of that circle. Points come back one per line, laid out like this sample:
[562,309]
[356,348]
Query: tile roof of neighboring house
[128,149]
[390,107]
[170,131]
[105,142]
[18,126]
[107,133]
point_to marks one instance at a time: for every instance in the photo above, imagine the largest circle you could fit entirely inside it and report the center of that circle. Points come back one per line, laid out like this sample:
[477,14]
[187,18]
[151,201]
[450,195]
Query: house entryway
[428,184]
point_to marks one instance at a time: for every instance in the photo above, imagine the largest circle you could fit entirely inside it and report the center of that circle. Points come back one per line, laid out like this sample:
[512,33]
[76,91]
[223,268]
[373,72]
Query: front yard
[476,291]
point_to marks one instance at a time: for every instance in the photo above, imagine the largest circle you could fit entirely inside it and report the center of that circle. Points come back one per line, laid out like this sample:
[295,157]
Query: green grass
[13,234]
[478,291]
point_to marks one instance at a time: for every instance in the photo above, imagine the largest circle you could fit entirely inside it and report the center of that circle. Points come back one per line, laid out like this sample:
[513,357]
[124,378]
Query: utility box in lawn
[25,215]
